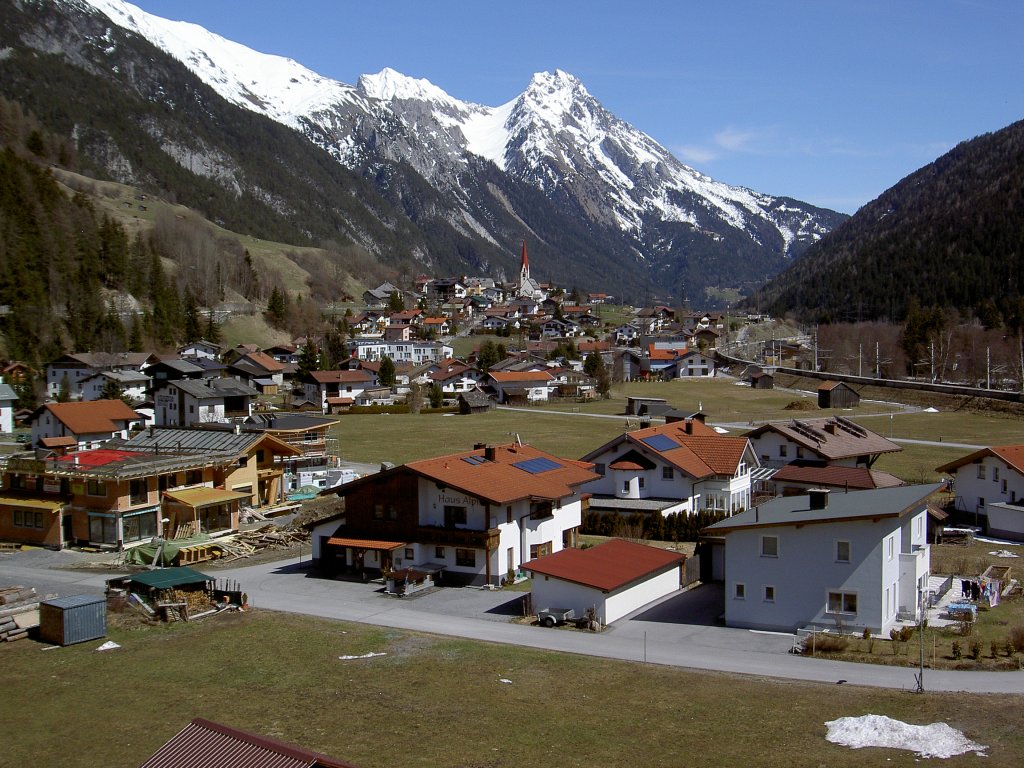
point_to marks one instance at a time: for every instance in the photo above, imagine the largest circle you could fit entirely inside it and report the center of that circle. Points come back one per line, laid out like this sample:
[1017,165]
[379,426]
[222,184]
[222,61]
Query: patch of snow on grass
[935,740]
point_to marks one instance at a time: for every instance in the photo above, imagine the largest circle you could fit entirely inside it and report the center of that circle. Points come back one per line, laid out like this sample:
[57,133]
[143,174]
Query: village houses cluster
[805,531]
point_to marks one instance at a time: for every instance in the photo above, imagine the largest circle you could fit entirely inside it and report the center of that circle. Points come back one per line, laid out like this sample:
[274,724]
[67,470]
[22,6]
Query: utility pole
[860,359]
[988,368]
[878,362]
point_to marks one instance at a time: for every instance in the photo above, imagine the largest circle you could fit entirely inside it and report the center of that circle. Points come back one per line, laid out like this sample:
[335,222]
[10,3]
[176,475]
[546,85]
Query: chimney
[818,498]
[479,446]
[830,427]
[688,426]
[152,430]
[489,452]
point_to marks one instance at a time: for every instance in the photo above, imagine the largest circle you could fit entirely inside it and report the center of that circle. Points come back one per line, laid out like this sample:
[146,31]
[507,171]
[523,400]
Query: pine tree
[386,374]
[309,359]
[277,307]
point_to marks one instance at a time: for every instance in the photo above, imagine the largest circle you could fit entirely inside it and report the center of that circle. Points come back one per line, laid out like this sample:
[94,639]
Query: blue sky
[827,102]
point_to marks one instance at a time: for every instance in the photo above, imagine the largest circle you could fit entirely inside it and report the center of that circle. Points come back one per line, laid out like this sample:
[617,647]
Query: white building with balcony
[683,467]
[827,560]
[473,517]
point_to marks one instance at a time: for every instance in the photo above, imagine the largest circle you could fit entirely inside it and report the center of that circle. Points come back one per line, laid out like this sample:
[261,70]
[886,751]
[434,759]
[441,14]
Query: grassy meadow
[571,430]
[439,702]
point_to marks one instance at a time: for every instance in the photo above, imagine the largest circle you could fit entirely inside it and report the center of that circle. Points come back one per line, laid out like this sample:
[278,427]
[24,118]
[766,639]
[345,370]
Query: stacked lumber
[19,612]
[269,536]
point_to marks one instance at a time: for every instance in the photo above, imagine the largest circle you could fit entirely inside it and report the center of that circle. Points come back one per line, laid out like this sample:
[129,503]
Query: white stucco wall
[976,493]
[551,592]
[806,570]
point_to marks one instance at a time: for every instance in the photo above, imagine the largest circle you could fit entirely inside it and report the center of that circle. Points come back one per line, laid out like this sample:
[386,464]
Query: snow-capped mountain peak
[276,86]
[555,137]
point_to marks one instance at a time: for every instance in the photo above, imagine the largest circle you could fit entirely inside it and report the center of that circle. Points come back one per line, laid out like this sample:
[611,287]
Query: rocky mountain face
[433,183]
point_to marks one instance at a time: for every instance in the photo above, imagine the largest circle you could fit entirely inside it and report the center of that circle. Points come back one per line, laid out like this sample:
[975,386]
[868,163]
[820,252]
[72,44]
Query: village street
[658,634]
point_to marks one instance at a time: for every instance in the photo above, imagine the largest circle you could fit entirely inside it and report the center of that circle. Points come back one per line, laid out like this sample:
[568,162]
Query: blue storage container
[73,619]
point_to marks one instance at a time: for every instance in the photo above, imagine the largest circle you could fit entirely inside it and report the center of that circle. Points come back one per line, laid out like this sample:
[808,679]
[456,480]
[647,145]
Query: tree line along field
[573,429]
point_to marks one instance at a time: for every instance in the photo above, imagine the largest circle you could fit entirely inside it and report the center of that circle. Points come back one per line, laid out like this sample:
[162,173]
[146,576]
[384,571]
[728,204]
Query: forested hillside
[950,235]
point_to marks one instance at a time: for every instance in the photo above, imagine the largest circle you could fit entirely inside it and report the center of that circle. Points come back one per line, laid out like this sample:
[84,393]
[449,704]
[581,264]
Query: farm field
[566,430]
[440,702]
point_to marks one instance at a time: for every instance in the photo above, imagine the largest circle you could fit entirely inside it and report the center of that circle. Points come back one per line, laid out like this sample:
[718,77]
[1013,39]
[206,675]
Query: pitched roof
[358,376]
[204,389]
[512,376]
[833,437]
[91,416]
[840,507]
[207,440]
[1013,455]
[691,446]
[608,567]
[205,744]
[854,478]
[515,472]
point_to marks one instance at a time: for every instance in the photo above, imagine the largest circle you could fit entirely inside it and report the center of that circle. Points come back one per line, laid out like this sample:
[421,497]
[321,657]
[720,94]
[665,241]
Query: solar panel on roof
[660,442]
[536,466]
[474,459]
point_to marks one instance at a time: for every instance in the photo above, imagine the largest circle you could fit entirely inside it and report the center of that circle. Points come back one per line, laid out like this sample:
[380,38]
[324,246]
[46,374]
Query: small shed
[837,394]
[474,401]
[762,380]
[614,578]
[73,619]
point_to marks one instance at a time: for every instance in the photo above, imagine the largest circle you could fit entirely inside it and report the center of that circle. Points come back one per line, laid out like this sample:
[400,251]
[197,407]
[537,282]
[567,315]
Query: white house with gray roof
[851,560]
[185,402]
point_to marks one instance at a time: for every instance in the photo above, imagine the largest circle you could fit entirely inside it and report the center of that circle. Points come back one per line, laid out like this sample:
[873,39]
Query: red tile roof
[854,478]
[608,567]
[1013,455]
[500,481]
[702,451]
[92,416]
[205,744]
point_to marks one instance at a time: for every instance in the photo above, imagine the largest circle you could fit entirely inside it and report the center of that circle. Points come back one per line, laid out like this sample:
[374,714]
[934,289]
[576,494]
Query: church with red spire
[528,287]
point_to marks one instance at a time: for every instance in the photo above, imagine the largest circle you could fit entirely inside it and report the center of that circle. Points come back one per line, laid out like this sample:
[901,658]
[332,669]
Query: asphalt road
[677,631]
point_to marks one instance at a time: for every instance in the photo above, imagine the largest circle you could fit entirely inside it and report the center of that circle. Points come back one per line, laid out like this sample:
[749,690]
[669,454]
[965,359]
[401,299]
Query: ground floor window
[842,602]
[26,518]
[140,526]
[103,529]
[465,557]
[215,518]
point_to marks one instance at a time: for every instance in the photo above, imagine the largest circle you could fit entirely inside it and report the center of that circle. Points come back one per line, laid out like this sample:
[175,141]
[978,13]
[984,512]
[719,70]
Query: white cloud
[695,154]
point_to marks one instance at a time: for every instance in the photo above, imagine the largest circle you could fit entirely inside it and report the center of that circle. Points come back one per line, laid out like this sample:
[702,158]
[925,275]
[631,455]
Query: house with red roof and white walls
[472,517]
[612,579]
[988,485]
[681,467]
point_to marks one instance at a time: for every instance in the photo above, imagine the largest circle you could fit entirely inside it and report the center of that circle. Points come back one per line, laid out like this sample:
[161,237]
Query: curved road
[655,634]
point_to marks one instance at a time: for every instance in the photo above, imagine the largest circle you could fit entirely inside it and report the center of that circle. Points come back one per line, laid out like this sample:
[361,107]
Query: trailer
[549,617]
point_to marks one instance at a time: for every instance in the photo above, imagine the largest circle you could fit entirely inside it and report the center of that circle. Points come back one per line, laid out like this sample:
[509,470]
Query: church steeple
[524,269]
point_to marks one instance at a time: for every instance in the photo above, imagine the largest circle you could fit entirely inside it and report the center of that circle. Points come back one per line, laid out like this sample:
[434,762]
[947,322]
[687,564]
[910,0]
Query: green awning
[167,578]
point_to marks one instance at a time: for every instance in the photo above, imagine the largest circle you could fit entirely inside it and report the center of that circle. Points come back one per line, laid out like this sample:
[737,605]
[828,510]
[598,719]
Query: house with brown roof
[82,424]
[614,578]
[473,517]
[185,402]
[205,744]
[682,467]
[833,440]
[520,387]
[989,487]
[334,391]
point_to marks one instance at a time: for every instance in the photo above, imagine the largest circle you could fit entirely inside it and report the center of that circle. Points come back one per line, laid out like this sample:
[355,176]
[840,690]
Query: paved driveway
[659,634]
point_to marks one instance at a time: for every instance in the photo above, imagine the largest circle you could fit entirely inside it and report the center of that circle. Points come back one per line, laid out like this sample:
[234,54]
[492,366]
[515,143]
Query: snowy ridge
[278,87]
[555,136]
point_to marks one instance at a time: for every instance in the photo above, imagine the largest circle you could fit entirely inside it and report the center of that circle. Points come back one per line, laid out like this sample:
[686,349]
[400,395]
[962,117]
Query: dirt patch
[801,405]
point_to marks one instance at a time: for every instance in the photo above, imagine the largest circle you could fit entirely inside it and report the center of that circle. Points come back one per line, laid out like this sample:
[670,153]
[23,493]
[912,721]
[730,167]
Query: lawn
[439,702]
[558,429]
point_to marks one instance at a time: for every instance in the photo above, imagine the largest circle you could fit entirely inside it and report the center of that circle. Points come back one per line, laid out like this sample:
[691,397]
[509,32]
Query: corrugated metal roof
[204,744]
[74,601]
